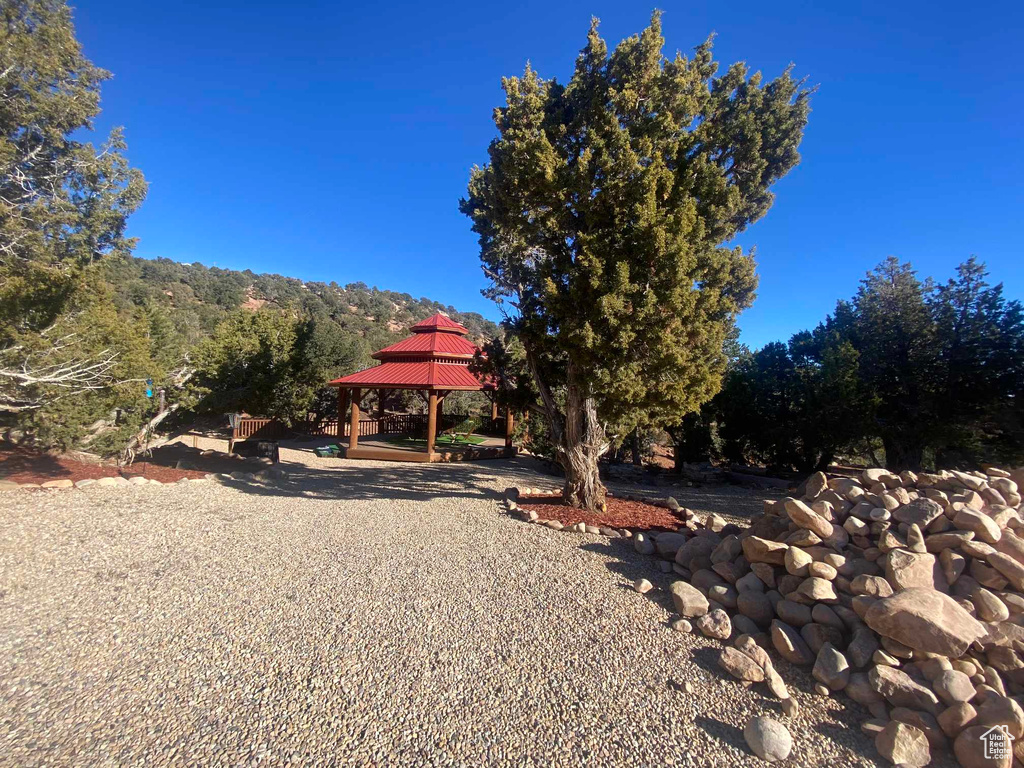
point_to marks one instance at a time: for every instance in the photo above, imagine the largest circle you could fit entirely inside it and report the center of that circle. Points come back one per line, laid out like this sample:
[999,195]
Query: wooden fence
[392,424]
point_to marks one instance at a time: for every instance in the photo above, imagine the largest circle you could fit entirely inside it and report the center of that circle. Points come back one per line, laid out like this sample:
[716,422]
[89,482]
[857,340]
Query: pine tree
[63,206]
[602,217]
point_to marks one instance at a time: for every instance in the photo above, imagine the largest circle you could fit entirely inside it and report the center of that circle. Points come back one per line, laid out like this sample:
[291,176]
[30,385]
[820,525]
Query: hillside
[199,297]
[212,341]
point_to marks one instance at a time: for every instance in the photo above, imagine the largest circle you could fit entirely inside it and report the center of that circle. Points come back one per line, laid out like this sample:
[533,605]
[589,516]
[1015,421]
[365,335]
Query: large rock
[698,546]
[790,645]
[768,738]
[643,544]
[757,607]
[900,690]
[758,550]
[667,544]
[688,600]
[928,725]
[862,647]
[983,526]
[953,687]
[715,624]
[920,511]
[903,744]
[796,614]
[831,668]
[740,665]
[981,747]
[1008,567]
[906,570]
[807,518]
[875,586]
[925,620]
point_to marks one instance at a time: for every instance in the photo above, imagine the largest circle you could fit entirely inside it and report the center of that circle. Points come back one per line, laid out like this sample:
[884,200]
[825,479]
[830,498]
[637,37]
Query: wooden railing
[392,424]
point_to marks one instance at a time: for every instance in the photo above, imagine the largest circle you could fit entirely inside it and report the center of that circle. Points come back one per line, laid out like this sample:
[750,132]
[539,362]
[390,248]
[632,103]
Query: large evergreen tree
[602,217]
[63,207]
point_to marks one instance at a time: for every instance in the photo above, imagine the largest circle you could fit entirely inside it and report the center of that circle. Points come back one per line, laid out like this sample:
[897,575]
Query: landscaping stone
[739,665]
[643,586]
[925,620]
[715,624]
[768,739]
[688,600]
[903,744]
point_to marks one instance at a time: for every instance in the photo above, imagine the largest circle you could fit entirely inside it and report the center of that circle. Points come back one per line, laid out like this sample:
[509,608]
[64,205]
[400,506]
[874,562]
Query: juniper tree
[63,206]
[603,216]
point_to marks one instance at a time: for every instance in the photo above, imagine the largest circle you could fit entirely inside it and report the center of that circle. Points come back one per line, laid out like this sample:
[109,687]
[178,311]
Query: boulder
[925,620]
[862,647]
[983,526]
[667,544]
[875,586]
[769,739]
[831,668]
[903,744]
[805,517]
[715,624]
[790,645]
[740,665]
[956,718]
[900,690]
[688,600]
[953,687]
[1010,568]
[923,721]
[756,606]
[643,544]
[906,570]
[758,550]
[979,746]
[920,511]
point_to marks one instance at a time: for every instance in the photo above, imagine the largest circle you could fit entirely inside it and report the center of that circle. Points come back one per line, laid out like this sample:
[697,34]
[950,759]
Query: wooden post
[431,423]
[494,410]
[342,408]
[509,425]
[353,435]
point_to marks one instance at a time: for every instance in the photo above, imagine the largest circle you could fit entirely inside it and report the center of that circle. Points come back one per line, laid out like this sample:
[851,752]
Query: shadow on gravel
[474,480]
[401,482]
[730,734]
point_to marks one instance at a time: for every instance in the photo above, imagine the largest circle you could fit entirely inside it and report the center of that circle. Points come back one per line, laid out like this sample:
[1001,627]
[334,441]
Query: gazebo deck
[380,449]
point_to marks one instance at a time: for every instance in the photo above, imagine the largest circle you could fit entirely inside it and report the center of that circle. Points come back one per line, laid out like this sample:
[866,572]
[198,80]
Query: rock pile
[904,591]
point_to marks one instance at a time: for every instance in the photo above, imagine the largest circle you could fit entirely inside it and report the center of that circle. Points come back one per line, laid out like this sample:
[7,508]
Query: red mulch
[23,465]
[620,513]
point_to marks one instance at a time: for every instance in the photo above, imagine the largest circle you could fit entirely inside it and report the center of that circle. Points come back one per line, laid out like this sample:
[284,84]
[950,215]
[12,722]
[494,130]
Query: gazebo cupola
[434,359]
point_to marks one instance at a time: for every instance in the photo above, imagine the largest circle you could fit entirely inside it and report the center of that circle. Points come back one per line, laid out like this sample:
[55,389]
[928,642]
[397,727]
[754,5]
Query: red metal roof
[439,322]
[445,344]
[416,375]
[436,356]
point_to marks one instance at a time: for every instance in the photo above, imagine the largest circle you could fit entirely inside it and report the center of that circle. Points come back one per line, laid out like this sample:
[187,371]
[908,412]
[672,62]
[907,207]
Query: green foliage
[63,207]
[934,373]
[602,217]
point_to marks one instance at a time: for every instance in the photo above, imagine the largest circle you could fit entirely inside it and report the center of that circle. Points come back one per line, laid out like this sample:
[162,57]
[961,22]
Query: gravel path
[359,614]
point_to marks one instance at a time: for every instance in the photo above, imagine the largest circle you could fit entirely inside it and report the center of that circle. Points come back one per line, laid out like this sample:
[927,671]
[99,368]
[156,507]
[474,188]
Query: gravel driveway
[358,614]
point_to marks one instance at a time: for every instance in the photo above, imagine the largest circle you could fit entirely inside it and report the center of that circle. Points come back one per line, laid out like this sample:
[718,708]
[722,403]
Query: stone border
[513,493]
[119,481]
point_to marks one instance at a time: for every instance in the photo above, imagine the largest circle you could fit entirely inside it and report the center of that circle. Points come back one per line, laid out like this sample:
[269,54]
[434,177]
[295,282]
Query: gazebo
[434,360]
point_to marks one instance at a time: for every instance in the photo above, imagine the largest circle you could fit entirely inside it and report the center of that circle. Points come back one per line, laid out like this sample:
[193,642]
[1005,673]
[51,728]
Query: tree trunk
[578,437]
[634,448]
[900,455]
[583,443]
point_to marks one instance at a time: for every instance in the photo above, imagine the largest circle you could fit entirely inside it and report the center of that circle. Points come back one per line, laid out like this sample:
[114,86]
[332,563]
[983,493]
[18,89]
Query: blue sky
[332,141]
